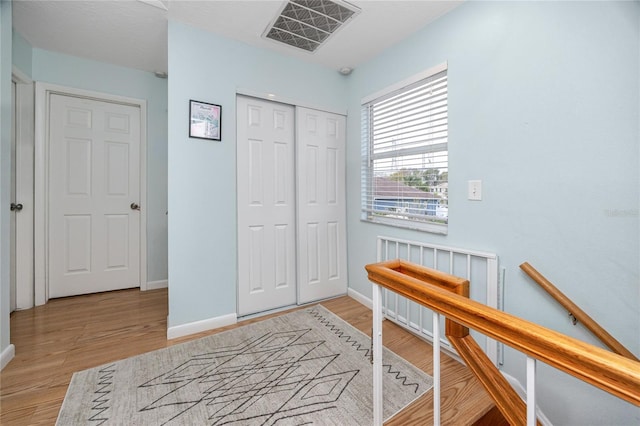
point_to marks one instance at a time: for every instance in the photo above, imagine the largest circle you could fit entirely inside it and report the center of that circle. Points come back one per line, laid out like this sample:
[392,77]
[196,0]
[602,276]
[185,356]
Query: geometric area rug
[302,368]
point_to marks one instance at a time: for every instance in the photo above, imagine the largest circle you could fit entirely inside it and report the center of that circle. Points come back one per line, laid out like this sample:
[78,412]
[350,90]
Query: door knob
[134,206]
[16,207]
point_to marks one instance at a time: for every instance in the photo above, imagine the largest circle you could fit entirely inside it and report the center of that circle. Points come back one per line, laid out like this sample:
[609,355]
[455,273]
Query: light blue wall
[5,167]
[71,71]
[544,109]
[202,174]
[22,54]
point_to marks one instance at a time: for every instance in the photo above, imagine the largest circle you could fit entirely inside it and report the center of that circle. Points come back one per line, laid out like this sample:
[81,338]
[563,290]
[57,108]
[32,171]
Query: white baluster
[377,355]
[436,369]
[531,391]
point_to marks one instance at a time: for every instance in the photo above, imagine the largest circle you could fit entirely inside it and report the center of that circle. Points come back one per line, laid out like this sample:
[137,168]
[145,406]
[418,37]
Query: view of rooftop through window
[405,155]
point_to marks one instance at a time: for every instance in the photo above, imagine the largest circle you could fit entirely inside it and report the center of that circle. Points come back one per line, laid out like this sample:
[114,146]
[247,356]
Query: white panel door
[322,240]
[94,189]
[266,205]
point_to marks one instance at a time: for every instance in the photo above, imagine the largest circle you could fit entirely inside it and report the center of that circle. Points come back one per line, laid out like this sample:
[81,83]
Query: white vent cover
[306,24]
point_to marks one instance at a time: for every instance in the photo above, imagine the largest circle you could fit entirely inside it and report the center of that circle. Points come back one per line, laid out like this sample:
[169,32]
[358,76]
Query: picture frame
[205,120]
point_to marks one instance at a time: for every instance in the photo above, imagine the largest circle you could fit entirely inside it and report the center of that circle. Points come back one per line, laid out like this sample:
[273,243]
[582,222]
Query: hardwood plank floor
[72,334]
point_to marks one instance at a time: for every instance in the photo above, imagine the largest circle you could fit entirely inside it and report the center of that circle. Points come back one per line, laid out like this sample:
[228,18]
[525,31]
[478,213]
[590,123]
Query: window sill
[433,228]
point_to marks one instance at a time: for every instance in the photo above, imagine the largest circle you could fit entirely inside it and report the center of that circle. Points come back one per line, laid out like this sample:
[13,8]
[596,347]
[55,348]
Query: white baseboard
[516,385]
[522,393]
[200,326]
[359,297]
[7,355]
[154,285]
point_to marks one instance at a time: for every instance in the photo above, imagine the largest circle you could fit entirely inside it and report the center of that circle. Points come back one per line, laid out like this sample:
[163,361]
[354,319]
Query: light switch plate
[475,190]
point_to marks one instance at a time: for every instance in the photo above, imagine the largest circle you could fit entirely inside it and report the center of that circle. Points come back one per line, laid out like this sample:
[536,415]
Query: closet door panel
[266,205]
[321,203]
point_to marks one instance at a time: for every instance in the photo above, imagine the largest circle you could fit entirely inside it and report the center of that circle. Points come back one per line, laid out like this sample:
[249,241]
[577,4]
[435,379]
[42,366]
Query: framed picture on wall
[205,120]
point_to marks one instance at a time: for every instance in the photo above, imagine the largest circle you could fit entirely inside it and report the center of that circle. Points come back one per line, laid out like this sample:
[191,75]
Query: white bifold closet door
[291,205]
[266,205]
[322,240]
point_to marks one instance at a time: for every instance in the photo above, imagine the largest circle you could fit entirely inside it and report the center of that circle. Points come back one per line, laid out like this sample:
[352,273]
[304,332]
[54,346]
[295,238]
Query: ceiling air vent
[306,24]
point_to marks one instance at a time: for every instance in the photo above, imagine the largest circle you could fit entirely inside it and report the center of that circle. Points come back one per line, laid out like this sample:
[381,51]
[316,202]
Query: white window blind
[405,155]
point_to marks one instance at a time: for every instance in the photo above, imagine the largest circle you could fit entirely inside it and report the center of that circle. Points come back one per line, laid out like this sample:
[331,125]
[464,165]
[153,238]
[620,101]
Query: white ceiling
[133,33]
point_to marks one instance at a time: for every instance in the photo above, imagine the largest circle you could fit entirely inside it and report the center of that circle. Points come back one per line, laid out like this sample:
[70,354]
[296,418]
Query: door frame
[23,109]
[43,92]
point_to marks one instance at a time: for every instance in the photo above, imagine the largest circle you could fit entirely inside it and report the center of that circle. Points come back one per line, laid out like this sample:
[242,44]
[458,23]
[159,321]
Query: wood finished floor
[72,334]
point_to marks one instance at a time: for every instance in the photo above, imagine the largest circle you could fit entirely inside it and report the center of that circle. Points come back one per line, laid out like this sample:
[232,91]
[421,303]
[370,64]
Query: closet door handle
[134,206]
[16,207]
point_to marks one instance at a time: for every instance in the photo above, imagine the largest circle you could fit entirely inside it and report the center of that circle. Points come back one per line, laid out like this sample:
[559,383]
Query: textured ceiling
[127,33]
[133,33]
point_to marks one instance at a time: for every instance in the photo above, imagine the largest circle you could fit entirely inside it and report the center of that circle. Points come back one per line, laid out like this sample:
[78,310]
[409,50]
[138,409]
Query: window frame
[367,154]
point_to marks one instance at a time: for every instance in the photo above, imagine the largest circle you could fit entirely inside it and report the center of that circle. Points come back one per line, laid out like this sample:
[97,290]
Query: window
[404,154]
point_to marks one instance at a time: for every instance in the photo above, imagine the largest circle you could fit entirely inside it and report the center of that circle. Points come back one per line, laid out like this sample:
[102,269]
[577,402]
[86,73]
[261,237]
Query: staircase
[448,295]
[464,401]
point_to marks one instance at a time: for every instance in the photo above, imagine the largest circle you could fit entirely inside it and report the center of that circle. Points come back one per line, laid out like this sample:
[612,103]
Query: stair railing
[577,313]
[447,295]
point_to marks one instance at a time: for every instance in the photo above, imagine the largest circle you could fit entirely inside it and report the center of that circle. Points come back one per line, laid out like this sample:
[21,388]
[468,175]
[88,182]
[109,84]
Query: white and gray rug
[306,367]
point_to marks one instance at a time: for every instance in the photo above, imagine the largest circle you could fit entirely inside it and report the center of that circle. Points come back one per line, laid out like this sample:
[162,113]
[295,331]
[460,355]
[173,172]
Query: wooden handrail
[505,397]
[512,407]
[608,371]
[578,313]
